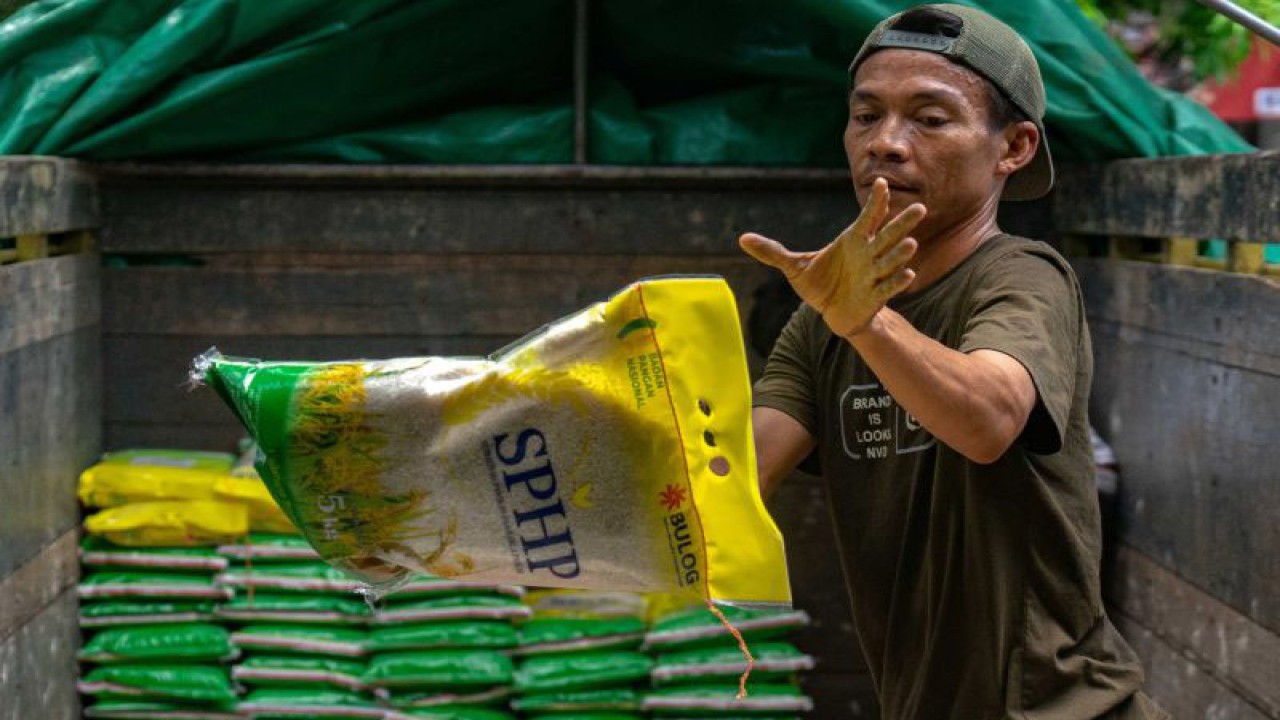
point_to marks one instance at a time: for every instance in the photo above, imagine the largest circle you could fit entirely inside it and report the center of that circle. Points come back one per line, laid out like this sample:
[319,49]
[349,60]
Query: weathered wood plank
[196,220]
[1241,654]
[41,195]
[46,298]
[1210,196]
[27,591]
[1234,319]
[50,429]
[1186,391]
[38,666]
[1180,686]
[406,295]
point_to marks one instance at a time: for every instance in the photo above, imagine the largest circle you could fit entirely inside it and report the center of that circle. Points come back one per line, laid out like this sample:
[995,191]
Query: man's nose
[888,141]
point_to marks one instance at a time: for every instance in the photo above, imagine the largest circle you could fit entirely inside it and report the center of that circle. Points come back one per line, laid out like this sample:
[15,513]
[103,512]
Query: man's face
[921,122]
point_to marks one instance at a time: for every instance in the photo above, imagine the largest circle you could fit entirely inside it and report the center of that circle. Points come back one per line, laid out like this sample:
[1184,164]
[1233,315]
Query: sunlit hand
[850,279]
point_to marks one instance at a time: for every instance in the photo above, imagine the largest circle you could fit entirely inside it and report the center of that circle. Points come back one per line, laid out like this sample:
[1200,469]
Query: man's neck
[938,254]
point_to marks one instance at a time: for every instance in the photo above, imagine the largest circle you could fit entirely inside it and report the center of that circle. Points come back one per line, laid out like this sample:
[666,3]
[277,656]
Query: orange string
[742,645]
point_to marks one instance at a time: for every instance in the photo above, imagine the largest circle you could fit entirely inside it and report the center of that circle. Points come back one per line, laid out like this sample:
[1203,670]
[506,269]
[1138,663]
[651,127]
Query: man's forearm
[976,404]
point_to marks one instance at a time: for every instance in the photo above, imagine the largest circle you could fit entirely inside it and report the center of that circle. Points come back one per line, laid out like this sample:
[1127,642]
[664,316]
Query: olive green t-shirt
[975,588]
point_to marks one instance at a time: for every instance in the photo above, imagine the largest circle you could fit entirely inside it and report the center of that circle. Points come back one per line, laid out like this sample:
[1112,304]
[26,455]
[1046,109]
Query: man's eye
[865,118]
[933,120]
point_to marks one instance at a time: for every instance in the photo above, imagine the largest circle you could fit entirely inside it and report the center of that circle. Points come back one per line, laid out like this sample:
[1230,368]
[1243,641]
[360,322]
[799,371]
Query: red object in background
[1256,84]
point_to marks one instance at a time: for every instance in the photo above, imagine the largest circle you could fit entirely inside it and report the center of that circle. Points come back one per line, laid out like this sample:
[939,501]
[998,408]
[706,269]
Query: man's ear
[1020,142]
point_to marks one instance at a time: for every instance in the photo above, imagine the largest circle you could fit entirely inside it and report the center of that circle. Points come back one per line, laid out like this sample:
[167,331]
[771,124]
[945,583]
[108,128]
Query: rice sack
[610,450]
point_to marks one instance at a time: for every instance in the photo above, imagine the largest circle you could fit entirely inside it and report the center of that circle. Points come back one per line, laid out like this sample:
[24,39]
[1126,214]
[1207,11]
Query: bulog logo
[679,535]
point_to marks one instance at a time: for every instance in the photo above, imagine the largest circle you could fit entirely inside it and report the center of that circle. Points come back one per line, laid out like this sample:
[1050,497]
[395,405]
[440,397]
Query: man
[942,371]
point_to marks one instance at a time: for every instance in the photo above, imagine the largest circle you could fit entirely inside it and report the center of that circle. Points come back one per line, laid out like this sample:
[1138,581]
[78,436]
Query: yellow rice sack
[611,450]
[153,474]
[170,523]
[249,490]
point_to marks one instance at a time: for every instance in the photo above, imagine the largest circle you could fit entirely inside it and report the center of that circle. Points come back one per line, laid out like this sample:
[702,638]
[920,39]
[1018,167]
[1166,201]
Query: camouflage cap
[996,52]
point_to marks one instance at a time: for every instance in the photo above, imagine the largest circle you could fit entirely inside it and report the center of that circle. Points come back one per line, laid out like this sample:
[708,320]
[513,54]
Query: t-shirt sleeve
[788,383]
[1028,309]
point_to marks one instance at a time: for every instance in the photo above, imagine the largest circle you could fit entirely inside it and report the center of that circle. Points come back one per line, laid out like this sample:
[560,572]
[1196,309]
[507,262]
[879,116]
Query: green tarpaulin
[725,82]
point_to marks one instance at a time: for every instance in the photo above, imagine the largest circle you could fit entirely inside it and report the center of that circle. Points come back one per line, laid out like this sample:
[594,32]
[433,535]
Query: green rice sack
[150,586]
[773,661]
[270,548]
[698,627]
[464,607]
[133,710]
[415,699]
[196,683]
[580,701]
[591,716]
[301,639]
[453,712]
[439,669]
[288,703]
[297,608]
[720,699]
[120,613]
[449,635]
[554,673]
[180,642]
[96,552]
[560,635]
[425,586]
[293,578]
[300,672]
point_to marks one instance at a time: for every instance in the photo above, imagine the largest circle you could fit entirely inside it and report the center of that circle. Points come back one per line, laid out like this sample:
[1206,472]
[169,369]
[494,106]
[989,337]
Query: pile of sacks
[200,602]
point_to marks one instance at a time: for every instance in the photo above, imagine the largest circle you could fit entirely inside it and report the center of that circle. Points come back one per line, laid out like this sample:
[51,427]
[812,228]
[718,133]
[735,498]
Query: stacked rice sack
[579,656]
[698,663]
[299,626]
[148,592]
[442,648]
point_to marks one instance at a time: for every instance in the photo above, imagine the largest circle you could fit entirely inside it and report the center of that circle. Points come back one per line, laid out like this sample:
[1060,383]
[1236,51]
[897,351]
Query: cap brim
[1033,181]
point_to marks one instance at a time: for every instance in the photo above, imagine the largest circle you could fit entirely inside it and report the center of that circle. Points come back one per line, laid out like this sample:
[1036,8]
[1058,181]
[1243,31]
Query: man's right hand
[850,279]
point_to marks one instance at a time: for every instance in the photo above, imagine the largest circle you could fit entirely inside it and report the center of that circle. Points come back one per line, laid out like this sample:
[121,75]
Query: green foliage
[1211,43]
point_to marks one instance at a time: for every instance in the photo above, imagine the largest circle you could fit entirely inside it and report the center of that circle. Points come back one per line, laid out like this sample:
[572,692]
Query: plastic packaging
[115,613]
[291,578]
[270,548]
[150,586]
[134,710]
[133,476]
[453,712]
[170,523]
[560,635]
[298,608]
[452,635]
[98,553]
[718,700]
[299,672]
[197,683]
[423,586]
[439,670]
[453,607]
[773,661]
[315,704]
[555,673]
[179,642]
[409,699]
[264,514]
[696,627]
[610,450]
[300,639]
[580,701]
[552,603]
